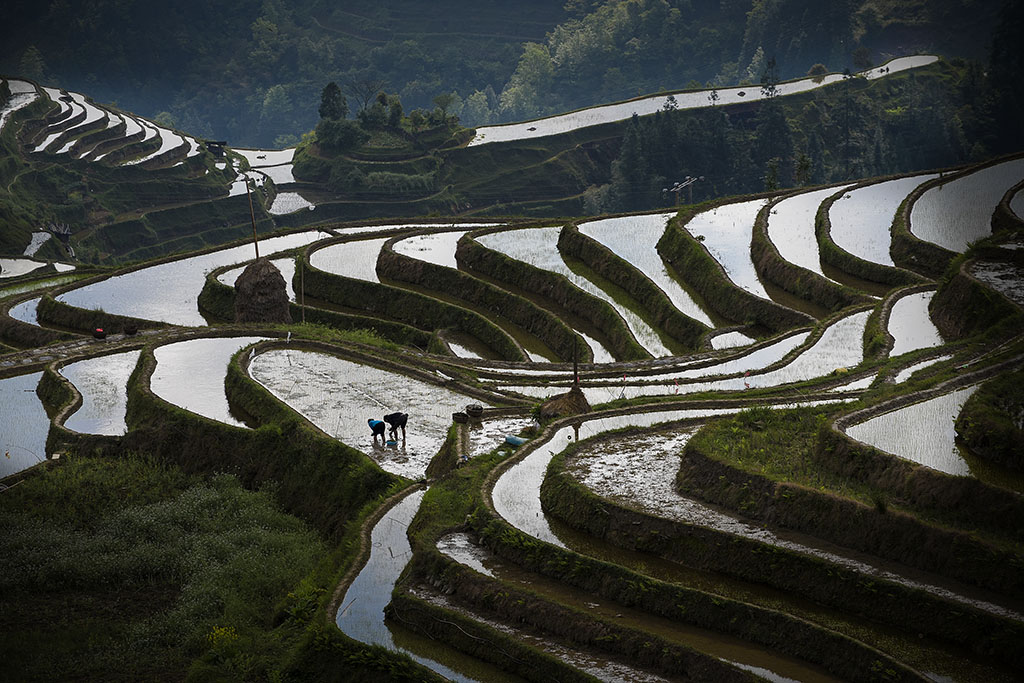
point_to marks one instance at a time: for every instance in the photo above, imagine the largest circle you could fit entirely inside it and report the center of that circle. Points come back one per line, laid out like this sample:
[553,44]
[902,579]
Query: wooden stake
[252,214]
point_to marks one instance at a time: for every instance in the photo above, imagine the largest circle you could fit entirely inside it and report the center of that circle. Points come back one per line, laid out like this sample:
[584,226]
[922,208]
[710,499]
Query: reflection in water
[190,374]
[102,382]
[357,260]
[539,248]
[23,424]
[634,239]
[954,214]
[338,396]
[726,232]
[862,218]
[26,311]
[168,291]
[922,432]
[361,612]
[437,248]
[911,326]
[905,374]
[791,228]
[621,111]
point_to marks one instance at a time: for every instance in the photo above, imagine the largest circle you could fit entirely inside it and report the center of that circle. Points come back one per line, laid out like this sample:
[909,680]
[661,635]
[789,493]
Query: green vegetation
[132,566]
[992,421]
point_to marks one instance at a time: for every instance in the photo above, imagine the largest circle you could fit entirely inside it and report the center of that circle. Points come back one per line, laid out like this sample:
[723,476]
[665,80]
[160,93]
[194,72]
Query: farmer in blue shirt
[377,427]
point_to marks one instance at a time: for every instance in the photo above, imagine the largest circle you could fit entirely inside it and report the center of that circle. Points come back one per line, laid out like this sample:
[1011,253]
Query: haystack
[260,294]
[571,403]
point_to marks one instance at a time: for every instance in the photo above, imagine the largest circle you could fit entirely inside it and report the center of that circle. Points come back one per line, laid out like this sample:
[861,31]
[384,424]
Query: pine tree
[332,103]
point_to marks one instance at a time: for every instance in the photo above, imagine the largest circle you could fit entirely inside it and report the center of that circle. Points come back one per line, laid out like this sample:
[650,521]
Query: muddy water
[791,228]
[1005,277]
[737,652]
[190,374]
[911,326]
[102,382]
[168,292]
[437,248]
[622,111]
[726,233]
[539,248]
[905,374]
[922,432]
[26,311]
[285,265]
[23,424]
[490,434]
[959,212]
[516,493]
[861,218]
[633,238]
[840,346]
[361,612]
[638,471]
[752,361]
[338,396]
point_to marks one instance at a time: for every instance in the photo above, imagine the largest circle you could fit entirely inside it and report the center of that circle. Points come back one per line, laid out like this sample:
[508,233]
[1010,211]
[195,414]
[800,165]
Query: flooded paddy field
[633,238]
[621,111]
[791,228]
[168,292]
[922,432]
[959,212]
[339,396]
[23,424]
[910,324]
[102,382]
[725,232]
[539,248]
[190,374]
[735,651]
[27,311]
[1005,277]
[861,218]
[437,248]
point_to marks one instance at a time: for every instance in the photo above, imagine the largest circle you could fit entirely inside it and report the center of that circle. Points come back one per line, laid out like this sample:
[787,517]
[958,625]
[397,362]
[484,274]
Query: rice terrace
[622,340]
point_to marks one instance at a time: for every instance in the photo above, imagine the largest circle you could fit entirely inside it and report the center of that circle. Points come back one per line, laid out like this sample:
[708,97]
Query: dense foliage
[252,73]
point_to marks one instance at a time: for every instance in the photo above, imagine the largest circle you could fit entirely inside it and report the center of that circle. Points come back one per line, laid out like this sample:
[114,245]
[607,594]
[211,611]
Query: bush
[340,135]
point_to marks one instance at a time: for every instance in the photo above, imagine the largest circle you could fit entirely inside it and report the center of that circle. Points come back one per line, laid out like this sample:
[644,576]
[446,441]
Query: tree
[395,111]
[332,102]
[5,93]
[770,79]
[818,72]
[364,90]
[443,102]
[862,58]
[339,135]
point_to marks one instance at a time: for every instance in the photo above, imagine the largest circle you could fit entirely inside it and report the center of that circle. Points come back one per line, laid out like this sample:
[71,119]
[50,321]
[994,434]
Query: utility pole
[252,214]
[686,182]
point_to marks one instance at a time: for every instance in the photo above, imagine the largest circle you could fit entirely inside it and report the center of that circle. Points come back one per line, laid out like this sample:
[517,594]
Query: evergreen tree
[332,102]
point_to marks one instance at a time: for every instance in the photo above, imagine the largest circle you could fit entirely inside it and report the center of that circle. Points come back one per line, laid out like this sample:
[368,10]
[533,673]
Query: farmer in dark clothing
[377,427]
[396,421]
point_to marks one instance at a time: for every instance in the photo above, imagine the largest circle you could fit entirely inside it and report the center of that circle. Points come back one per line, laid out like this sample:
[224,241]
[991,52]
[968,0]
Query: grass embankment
[217,301]
[763,464]
[691,260]
[475,257]
[991,422]
[963,307]
[208,580]
[652,302]
[411,308]
[797,280]
[447,506]
[796,574]
[540,322]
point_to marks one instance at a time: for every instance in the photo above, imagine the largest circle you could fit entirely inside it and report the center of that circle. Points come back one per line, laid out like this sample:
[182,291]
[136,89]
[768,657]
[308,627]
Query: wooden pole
[252,214]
